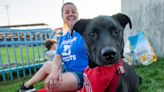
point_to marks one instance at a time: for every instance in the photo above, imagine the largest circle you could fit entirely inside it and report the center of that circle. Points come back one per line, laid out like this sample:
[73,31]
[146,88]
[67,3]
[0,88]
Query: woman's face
[70,14]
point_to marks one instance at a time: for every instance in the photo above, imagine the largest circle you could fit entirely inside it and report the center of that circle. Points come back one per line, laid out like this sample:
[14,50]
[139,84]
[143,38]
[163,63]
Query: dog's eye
[92,35]
[115,32]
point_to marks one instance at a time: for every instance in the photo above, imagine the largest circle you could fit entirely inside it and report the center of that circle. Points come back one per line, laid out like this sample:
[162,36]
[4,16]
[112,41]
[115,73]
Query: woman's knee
[47,67]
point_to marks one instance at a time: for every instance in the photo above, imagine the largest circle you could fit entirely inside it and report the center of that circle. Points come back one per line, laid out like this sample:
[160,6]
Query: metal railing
[22,51]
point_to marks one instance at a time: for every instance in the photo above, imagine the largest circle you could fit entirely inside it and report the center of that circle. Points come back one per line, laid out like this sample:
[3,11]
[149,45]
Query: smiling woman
[71,54]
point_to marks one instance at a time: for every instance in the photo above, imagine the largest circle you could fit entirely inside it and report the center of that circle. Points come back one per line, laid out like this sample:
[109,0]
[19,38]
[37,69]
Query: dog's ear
[123,19]
[80,25]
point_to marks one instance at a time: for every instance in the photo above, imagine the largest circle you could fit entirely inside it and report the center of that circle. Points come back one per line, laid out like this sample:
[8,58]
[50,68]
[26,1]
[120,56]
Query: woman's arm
[57,62]
[54,78]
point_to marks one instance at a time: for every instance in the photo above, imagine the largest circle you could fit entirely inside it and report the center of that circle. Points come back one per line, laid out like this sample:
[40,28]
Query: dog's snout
[108,53]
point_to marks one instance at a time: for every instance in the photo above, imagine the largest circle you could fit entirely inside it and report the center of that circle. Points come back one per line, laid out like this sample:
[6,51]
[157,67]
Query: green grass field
[21,55]
[12,86]
[152,75]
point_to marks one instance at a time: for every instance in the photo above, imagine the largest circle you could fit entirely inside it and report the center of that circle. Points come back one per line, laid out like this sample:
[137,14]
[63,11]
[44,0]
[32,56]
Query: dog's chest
[102,78]
[99,79]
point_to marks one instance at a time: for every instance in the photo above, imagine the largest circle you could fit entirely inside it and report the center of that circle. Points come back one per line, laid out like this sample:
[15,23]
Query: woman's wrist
[54,67]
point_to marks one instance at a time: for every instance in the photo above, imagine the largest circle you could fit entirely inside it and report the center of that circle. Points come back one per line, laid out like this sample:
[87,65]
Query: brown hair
[49,43]
[62,9]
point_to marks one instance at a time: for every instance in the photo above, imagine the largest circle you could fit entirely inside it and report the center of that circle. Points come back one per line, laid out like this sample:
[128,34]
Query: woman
[71,51]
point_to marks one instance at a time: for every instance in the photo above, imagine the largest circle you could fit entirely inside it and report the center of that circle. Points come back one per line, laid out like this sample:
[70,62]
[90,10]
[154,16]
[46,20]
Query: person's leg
[40,75]
[70,83]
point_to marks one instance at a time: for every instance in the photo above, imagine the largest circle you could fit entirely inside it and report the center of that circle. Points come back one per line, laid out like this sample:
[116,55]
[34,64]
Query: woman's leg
[69,80]
[40,75]
[69,83]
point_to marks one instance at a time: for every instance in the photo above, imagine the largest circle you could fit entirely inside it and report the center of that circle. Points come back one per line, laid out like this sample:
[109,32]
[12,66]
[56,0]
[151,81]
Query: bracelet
[54,66]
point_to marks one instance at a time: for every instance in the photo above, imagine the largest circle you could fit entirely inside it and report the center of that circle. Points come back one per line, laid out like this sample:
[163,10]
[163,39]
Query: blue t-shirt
[73,52]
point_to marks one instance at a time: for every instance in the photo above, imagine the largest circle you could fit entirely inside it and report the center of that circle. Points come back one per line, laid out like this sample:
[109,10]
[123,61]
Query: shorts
[79,77]
[77,74]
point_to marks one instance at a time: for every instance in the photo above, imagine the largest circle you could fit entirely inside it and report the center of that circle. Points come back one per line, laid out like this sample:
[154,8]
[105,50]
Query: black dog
[103,36]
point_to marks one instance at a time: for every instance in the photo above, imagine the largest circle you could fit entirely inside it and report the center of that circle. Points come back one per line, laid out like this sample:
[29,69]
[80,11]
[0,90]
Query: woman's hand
[54,79]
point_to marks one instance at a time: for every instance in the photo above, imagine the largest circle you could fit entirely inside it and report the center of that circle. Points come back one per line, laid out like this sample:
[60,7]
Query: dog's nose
[108,53]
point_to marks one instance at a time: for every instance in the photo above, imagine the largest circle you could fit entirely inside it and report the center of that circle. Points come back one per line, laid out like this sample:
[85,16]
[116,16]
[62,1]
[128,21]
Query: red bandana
[102,78]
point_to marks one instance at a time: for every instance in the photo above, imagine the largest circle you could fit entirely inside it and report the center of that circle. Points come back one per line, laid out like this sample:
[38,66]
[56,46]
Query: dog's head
[103,36]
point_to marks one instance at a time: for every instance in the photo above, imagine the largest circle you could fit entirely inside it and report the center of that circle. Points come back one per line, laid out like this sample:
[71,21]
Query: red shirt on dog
[102,78]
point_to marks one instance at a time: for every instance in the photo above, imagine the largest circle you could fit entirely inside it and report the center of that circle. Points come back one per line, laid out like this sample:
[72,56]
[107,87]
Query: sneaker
[26,89]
